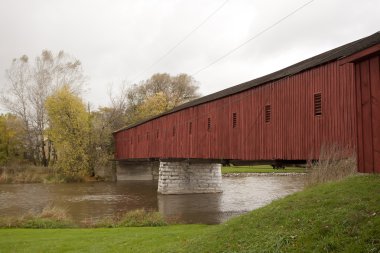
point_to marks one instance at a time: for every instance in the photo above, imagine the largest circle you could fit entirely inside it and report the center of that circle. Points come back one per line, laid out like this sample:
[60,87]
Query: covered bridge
[287,116]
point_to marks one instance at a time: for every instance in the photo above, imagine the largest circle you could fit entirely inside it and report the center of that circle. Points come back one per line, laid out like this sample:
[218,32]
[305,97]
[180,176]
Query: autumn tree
[158,94]
[69,131]
[27,88]
[11,138]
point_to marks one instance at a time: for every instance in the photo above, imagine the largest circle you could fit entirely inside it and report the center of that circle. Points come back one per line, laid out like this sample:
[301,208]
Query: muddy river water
[92,201]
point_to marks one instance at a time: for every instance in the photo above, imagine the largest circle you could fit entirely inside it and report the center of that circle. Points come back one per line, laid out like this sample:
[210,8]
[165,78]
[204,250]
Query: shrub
[24,174]
[50,217]
[335,163]
[142,218]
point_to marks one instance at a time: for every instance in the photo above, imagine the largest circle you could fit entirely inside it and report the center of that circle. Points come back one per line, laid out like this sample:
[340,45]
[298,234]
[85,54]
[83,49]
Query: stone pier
[137,170]
[184,177]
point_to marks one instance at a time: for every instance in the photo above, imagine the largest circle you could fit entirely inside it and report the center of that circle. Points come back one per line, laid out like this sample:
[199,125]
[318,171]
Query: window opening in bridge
[317,104]
[234,120]
[174,131]
[267,113]
[208,124]
[190,127]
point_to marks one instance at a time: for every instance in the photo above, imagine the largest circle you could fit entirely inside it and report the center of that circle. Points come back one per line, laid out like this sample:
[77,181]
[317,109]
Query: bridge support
[186,177]
[137,170]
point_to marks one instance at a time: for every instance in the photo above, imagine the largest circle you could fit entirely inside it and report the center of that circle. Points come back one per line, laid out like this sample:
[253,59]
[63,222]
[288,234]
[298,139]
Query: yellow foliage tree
[151,106]
[158,94]
[69,131]
[11,136]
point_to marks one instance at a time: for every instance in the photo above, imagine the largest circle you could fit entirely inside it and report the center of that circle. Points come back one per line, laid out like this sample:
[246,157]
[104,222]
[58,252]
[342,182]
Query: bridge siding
[293,133]
[368,111]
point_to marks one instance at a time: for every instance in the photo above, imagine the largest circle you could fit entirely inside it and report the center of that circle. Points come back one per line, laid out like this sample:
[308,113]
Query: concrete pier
[184,177]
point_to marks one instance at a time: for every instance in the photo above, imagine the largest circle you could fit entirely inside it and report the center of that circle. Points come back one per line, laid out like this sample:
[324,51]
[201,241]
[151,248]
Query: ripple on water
[110,198]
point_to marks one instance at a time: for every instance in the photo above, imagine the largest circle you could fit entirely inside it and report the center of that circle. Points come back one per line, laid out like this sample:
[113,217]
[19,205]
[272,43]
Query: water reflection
[85,201]
[191,208]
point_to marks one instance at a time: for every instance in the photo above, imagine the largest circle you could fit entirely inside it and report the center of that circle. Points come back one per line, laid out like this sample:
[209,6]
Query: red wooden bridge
[287,116]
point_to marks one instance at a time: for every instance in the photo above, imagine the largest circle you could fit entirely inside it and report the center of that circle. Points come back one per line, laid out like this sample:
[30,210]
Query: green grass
[148,239]
[335,217]
[260,169]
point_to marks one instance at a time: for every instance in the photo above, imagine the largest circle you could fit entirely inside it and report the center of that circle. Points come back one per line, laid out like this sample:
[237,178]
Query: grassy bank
[36,174]
[335,217]
[260,169]
[54,217]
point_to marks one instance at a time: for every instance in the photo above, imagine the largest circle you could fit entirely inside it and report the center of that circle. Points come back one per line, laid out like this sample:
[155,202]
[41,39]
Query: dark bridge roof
[334,54]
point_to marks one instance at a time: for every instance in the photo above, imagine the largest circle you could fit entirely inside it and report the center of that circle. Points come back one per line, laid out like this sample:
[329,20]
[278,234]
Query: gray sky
[116,40]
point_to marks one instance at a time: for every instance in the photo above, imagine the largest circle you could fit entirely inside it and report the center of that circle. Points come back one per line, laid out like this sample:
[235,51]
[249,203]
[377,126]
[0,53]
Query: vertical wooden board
[278,118]
[303,117]
[298,111]
[343,85]
[343,139]
[224,142]
[359,116]
[249,125]
[259,97]
[314,121]
[367,114]
[333,105]
[217,145]
[294,133]
[304,106]
[200,132]
[231,131]
[262,119]
[294,127]
[285,127]
[351,113]
[241,104]
[323,122]
[375,102]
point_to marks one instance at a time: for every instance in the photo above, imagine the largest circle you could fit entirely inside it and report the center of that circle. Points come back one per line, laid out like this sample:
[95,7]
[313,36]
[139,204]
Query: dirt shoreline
[251,174]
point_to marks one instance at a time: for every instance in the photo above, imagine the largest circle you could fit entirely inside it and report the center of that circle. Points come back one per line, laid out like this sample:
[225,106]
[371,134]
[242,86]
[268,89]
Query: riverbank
[28,174]
[341,216]
[260,169]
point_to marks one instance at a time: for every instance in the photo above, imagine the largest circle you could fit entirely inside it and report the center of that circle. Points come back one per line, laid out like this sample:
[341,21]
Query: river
[93,201]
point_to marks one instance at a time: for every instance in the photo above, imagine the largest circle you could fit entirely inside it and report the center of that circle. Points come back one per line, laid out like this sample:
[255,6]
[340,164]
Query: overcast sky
[118,40]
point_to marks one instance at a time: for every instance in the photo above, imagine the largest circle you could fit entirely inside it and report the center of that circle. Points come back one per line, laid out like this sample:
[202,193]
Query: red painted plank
[375,102]
[365,86]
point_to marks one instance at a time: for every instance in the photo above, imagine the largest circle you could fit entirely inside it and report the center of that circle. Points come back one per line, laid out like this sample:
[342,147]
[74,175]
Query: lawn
[147,239]
[260,169]
[335,217]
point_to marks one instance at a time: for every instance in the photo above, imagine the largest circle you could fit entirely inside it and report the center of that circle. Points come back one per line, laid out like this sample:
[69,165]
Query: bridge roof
[331,55]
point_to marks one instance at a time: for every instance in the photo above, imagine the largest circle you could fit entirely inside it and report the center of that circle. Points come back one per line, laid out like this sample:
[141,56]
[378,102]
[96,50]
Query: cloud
[118,40]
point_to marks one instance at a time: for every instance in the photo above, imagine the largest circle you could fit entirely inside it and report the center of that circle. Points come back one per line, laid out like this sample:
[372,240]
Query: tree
[152,106]
[69,131]
[27,89]
[165,90]
[11,137]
